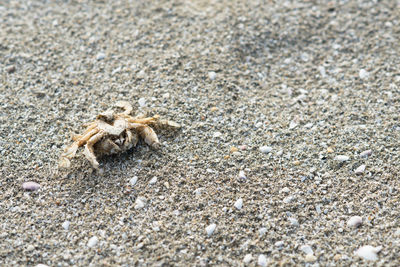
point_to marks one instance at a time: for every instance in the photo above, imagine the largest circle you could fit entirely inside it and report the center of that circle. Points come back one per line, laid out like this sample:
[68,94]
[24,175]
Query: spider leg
[89,152]
[147,133]
[130,140]
[125,105]
[142,120]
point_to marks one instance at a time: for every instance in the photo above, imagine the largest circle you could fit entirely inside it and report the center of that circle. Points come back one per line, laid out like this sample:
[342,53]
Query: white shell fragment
[310,258]
[153,180]
[212,75]
[31,186]
[142,102]
[238,204]
[354,221]
[342,158]
[360,170]
[210,229]
[293,221]
[92,241]
[242,175]
[265,149]
[262,260]
[140,203]
[247,259]
[307,249]
[133,180]
[366,153]
[368,252]
[65,225]
[100,56]
[363,74]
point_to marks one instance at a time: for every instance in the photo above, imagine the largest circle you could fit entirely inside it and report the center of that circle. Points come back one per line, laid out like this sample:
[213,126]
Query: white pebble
[368,252]
[366,153]
[210,229]
[65,225]
[310,258]
[41,265]
[285,190]
[262,231]
[293,221]
[242,175]
[153,180]
[363,74]
[262,260]
[142,102]
[354,221]
[100,56]
[265,149]
[247,259]
[239,204]
[307,249]
[140,203]
[212,75]
[342,158]
[32,186]
[360,170]
[292,125]
[217,134]
[133,180]
[279,244]
[288,199]
[92,241]
[141,74]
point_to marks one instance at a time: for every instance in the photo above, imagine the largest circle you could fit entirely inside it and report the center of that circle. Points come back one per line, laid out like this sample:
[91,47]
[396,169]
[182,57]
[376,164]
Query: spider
[113,133]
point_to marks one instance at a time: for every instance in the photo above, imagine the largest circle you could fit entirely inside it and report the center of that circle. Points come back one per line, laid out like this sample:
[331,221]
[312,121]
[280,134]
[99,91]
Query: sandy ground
[306,81]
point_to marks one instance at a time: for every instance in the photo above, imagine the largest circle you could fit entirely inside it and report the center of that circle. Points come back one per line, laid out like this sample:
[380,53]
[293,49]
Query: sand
[315,83]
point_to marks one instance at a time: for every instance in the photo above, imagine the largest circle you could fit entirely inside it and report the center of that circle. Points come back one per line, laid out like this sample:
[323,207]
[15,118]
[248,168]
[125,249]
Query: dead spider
[113,133]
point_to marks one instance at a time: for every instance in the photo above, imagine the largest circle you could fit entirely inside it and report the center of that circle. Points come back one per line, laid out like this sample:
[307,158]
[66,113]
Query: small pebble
[133,180]
[212,75]
[354,221]
[342,158]
[142,102]
[92,241]
[307,249]
[239,204]
[360,170]
[368,252]
[293,221]
[140,203]
[153,180]
[247,259]
[363,74]
[292,125]
[217,134]
[310,258]
[288,199]
[262,260]
[100,56]
[141,74]
[233,149]
[242,175]
[265,149]
[210,229]
[31,186]
[337,257]
[262,231]
[65,225]
[366,153]
[10,69]
[285,190]
[41,265]
[279,244]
